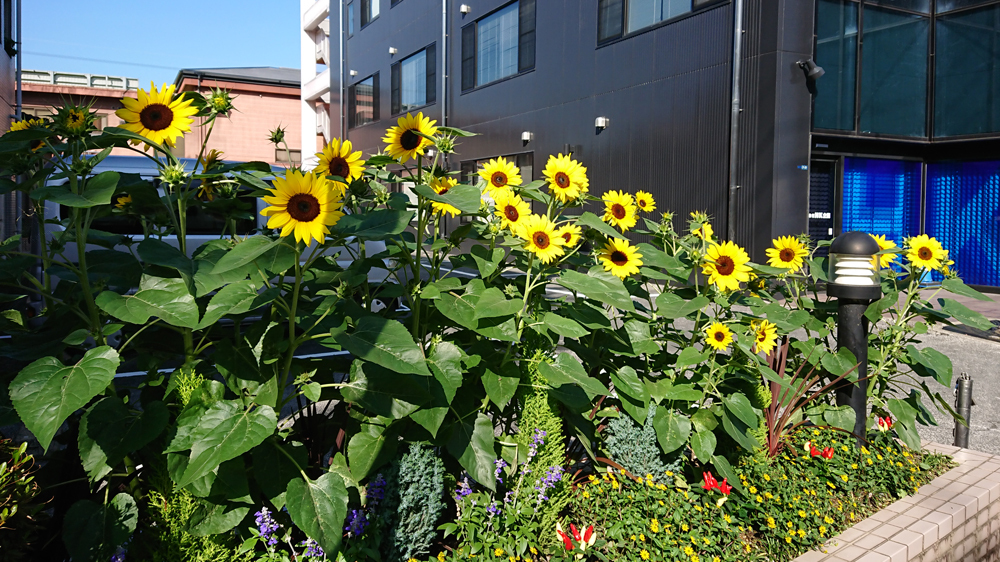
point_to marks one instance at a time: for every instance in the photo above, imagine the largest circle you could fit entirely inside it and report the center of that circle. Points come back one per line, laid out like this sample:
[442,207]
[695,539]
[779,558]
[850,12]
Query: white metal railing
[79,80]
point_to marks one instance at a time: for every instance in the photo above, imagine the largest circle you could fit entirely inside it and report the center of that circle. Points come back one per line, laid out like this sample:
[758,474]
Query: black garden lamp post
[854,280]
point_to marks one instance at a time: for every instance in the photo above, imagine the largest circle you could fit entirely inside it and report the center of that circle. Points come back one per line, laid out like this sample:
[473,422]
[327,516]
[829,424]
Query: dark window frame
[526,45]
[351,102]
[697,6]
[366,18]
[9,43]
[430,76]
[350,19]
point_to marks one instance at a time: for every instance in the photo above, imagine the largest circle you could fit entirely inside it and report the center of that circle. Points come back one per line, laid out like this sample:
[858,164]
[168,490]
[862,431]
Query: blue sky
[153,40]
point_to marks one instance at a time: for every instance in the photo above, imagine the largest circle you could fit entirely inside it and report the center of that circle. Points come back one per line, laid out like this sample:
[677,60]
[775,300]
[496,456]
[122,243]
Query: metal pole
[852,334]
[734,120]
[963,405]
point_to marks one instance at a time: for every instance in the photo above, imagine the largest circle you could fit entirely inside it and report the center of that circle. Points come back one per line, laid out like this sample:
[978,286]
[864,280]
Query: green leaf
[958,287]
[375,225]
[210,518]
[591,220]
[632,392]
[446,365]
[487,261]
[46,392]
[493,303]
[471,443]
[463,309]
[564,326]
[672,306]
[841,416]
[385,392]
[840,363]
[739,431]
[370,447]
[158,252]
[433,290]
[319,507]
[964,314]
[906,422]
[501,383]
[690,356]
[600,286]
[672,266]
[235,298]
[312,391]
[638,335]
[703,444]
[672,429]
[567,370]
[225,431]
[167,299]
[108,432]
[588,315]
[931,362]
[683,392]
[273,470]
[465,198]
[98,191]
[726,471]
[387,343]
[740,406]
[92,531]
[244,253]
[704,420]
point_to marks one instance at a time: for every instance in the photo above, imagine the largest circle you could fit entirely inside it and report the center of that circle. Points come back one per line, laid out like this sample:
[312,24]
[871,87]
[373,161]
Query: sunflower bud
[277,136]
[74,121]
[173,175]
[220,101]
[445,144]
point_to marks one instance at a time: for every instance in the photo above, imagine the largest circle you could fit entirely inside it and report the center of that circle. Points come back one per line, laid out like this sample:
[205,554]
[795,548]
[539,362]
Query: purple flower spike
[266,526]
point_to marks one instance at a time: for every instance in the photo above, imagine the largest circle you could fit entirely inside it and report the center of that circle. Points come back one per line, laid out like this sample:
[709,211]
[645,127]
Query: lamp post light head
[853,272]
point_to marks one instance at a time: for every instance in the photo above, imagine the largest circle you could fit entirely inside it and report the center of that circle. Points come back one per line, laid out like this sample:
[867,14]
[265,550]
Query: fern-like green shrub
[636,449]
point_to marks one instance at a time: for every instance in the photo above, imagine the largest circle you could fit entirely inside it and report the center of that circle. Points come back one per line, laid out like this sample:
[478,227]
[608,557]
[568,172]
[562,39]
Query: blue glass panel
[963,213]
[881,197]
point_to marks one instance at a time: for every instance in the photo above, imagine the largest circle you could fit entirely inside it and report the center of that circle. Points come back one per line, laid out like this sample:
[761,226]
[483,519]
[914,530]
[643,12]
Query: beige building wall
[42,100]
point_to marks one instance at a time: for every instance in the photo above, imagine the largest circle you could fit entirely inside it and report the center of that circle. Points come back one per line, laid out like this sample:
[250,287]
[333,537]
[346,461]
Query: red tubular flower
[588,535]
[576,534]
[813,451]
[827,453]
[710,482]
[724,487]
[883,424]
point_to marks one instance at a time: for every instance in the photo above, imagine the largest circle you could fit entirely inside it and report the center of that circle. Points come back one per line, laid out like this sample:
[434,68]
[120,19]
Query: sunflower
[73,120]
[620,258]
[619,209]
[25,124]
[567,178]
[885,260]
[704,231]
[123,201]
[726,266]
[157,115]
[511,209]
[718,336]
[570,233]
[924,251]
[336,159]
[441,186]
[765,335]
[542,240]
[645,202]
[499,174]
[787,253]
[403,140]
[303,203]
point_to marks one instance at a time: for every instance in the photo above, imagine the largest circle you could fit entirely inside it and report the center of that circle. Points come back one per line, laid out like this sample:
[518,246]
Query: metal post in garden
[854,280]
[963,405]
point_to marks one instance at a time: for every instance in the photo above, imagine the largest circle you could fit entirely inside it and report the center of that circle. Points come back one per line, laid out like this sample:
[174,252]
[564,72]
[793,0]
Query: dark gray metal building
[705,102]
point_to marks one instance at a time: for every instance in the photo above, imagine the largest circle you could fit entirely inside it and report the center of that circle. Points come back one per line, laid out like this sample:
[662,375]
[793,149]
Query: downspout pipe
[444,71]
[734,120]
[18,101]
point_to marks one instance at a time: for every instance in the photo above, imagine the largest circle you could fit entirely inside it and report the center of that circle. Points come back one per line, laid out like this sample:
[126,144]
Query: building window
[350,19]
[949,5]
[893,96]
[967,72]
[499,45]
[837,53]
[881,197]
[616,18]
[362,102]
[414,81]
[369,11]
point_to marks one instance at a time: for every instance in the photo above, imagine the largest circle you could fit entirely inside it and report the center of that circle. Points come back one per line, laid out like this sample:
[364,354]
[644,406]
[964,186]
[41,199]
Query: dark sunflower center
[409,140]
[541,240]
[444,189]
[562,180]
[618,210]
[156,117]
[511,213]
[642,203]
[567,237]
[303,207]
[786,255]
[339,167]
[619,258]
[725,265]
[719,336]
[925,253]
[761,337]
[498,179]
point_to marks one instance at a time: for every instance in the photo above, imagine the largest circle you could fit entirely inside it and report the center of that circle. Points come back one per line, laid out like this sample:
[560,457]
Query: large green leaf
[598,285]
[591,220]
[632,392]
[672,429]
[672,306]
[703,444]
[319,507]
[487,260]
[98,191]
[235,298]
[739,405]
[92,531]
[501,383]
[841,416]
[385,392]
[387,343]
[964,314]
[158,252]
[739,431]
[446,365]
[471,443]
[226,430]
[372,445]
[46,392]
[108,432]
[930,362]
[841,363]
[167,299]
[670,265]
[245,253]
[273,470]
[375,225]
[465,310]
[958,287]
[567,370]
[906,421]
[465,198]
[215,517]
[638,335]
[564,327]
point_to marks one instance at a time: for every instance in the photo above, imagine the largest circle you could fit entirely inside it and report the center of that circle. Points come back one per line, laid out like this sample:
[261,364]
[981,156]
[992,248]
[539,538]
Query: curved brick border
[954,518]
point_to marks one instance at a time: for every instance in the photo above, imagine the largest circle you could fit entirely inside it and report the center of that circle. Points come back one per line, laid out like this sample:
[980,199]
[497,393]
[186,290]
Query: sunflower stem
[292,343]
[81,252]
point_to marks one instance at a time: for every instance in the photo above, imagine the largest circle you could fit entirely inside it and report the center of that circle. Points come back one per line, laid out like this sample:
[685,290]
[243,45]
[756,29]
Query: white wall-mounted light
[527,136]
[393,50]
[354,73]
[465,8]
[431,153]
[602,122]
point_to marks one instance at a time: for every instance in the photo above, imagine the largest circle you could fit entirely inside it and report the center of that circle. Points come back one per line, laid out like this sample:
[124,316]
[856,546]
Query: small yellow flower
[642,538]
[497,552]
[123,201]
[770,523]
[644,554]
[654,526]
[843,477]
[688,550]
[802,533]
[441,556]
[822,530]
[684,527]
[767,477]
[533,550]
[727,518]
